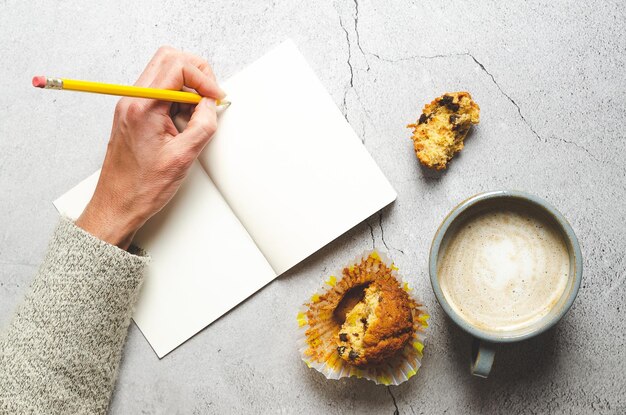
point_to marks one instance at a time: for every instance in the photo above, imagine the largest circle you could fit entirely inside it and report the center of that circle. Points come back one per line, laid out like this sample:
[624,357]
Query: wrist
[115,228]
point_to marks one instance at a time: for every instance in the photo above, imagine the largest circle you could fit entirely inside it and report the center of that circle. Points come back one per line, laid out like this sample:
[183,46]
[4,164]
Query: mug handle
[483,354]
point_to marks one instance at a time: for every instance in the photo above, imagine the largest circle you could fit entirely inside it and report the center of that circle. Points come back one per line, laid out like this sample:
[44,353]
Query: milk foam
[503,270]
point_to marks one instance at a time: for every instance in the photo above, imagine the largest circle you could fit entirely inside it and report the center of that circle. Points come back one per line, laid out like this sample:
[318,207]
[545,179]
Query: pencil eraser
[39,81]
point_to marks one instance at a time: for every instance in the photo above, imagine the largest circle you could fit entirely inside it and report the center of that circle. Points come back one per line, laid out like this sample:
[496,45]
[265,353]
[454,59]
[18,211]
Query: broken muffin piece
[439,132]
[378,326]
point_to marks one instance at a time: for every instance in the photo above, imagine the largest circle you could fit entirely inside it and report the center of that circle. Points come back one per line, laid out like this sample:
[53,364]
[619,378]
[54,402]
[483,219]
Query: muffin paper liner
[317,329]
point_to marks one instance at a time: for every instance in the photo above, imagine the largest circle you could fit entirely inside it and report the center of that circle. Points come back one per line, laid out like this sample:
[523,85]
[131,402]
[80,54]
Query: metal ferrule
[54,83]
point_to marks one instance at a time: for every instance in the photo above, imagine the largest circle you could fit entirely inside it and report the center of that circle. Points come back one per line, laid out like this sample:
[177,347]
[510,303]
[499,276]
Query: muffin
[441,129]
[364,324]
[378,326]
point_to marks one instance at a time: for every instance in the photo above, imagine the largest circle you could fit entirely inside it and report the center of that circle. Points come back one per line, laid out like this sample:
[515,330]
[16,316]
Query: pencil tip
[224,104]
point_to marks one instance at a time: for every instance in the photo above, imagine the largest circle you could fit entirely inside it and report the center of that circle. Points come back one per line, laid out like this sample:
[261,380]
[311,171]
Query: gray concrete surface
[550,79]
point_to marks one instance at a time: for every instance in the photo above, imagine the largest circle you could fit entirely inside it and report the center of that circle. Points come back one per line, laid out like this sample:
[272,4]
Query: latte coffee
[503,269]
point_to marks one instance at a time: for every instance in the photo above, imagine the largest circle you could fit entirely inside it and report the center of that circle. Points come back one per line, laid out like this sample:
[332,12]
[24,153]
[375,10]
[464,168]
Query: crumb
[442,127]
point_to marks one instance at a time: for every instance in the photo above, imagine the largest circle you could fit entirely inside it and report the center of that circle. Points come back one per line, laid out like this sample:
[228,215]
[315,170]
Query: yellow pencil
[120,90]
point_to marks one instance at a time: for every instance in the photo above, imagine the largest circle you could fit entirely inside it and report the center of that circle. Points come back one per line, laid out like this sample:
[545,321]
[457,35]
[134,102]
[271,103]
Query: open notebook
[284,175]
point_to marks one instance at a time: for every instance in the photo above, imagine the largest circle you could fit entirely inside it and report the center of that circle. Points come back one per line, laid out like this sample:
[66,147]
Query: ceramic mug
[483,346]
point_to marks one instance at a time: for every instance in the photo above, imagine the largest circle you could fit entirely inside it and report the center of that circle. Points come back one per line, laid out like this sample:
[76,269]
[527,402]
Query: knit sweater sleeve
[61,351]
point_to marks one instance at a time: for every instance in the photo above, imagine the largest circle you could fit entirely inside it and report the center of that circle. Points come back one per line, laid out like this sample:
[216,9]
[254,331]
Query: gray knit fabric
[60,353]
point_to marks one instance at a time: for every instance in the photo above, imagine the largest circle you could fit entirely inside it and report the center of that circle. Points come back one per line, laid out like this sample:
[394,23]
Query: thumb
[201,126]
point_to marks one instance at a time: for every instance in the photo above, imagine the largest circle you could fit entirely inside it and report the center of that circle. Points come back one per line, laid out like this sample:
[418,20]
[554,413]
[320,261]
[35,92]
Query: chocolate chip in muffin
[448,102]
[445,100]
[343,337]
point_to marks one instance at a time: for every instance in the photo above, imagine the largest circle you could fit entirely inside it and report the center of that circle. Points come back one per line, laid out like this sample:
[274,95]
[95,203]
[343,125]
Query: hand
[147,158]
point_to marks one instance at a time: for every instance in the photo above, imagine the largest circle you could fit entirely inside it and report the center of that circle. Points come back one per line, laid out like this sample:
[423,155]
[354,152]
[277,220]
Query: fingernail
[210,103]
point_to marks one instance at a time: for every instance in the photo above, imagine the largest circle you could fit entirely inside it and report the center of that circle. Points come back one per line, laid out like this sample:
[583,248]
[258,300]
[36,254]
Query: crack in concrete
[581,147]
[382,234]
[356,31]
[396,411]
[372,234]
[382,231]
[351,84]
[410,58]
[493,79]
[482,67]
[519,110]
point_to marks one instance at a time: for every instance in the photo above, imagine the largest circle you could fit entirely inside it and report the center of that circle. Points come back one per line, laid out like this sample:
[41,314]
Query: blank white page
[288,163]
[203,263]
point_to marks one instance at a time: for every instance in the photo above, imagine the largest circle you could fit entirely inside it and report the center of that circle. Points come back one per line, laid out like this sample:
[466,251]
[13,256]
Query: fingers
[200,128]
[152,68]
[176,70]
[173,69]
[194,78]
[202,65]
